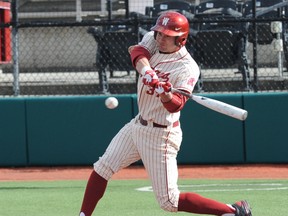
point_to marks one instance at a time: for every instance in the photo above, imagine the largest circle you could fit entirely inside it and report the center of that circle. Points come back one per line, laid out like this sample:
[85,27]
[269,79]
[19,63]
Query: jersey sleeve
[149,43]
[188,79]
[176,103]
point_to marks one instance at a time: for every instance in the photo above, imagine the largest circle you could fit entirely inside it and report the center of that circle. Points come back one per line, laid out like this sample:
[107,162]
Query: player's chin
[162,47]
[167,49]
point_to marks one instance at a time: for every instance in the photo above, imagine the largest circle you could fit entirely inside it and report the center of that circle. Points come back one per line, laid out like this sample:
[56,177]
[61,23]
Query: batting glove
[163,87]
[150,78]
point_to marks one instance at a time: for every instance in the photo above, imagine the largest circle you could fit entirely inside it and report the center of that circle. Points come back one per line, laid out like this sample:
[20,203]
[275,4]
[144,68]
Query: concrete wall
[67,48]
[63,47]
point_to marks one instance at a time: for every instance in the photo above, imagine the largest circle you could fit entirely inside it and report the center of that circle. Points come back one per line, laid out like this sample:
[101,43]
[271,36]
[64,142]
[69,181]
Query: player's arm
[141,53]
[140,60]
[173,102]
[177,101]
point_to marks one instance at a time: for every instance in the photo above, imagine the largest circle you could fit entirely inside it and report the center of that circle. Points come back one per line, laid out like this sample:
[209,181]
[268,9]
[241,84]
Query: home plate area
[226,187]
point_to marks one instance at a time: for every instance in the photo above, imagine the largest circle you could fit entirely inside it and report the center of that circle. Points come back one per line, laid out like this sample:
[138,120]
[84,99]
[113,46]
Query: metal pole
[255,41]
[103,7]
[127,9]
[78,11]
[15,47]
[109,7]
[280,58]
[278,44]
[281,13]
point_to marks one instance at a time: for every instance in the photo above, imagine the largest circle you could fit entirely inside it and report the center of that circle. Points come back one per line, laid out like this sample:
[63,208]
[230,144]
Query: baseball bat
[216,105]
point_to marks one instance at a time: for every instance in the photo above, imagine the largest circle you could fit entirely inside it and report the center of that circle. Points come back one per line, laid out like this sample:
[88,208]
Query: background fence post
[15,47]
[255,62]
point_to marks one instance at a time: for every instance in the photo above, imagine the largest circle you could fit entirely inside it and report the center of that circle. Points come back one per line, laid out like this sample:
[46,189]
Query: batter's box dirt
[261,171]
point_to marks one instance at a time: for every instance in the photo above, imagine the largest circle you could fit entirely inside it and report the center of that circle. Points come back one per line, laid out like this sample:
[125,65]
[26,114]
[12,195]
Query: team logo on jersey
[165,21]
[163,76]
[191,81]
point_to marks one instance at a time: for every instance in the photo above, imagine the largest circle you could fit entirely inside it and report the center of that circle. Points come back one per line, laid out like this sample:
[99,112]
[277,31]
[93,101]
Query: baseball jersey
[179,68]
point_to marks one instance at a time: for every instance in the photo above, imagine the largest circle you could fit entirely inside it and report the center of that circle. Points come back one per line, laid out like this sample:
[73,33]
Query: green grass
[63,198]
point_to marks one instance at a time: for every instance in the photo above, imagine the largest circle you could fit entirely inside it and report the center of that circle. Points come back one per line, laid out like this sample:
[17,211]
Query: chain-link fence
[77,47]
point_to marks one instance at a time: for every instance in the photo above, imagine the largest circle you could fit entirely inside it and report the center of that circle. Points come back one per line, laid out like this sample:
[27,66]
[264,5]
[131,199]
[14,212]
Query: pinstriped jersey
[179,68]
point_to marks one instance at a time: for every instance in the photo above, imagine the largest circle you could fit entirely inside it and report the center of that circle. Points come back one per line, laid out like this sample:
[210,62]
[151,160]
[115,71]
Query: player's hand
[163,87]
[150,78]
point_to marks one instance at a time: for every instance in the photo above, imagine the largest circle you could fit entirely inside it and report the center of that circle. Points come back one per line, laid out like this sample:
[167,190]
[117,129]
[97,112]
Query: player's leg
[194,203]
[158,150]
[95,189]
[158,153]
[120,153]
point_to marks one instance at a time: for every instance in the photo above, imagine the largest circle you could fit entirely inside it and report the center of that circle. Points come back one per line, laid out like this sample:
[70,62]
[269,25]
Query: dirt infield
[137,172]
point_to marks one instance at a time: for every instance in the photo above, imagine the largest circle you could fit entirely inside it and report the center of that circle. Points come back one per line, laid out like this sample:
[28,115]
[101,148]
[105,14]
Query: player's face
[166,43]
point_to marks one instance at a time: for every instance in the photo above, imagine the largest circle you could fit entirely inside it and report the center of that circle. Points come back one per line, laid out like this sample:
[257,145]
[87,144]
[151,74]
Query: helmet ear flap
[183,41]
[177,42]
[180,41]
[155,34]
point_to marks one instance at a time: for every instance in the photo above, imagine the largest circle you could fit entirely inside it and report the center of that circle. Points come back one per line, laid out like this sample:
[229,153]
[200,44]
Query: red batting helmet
[172,23]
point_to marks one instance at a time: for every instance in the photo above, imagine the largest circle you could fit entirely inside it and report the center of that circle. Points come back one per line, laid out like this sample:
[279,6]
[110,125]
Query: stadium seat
[112,52]
[264,34]
[184,7]
[221,44]
[267,9]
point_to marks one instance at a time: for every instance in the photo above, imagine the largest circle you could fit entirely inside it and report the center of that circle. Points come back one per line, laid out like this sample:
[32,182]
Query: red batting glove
[150,78]
[163,87]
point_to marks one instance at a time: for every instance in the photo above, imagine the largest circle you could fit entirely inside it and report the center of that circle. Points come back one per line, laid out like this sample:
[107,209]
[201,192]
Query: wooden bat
[216,105]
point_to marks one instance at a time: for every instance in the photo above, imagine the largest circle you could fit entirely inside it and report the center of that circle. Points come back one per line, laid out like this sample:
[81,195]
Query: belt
[145,123]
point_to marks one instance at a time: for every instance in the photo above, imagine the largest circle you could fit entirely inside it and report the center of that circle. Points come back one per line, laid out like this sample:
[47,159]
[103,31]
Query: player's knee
[169,202]
[103,170]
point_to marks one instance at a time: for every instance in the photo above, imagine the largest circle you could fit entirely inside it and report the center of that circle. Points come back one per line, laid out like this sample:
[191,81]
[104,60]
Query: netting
[80,47]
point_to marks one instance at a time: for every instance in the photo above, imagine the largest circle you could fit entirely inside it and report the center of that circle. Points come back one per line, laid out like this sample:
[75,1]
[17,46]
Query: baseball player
[155,135]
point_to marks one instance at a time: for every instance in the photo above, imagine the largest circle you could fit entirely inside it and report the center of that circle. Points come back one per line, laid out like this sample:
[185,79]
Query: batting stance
[155,135]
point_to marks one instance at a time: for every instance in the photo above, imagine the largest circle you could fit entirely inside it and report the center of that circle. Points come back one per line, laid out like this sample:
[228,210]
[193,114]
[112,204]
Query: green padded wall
[211,137]
[76,130]
[135,105]
[72,130]
[13,151]
[267,127]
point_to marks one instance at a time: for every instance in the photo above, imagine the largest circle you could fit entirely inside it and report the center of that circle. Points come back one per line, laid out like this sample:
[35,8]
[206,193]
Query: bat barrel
[216,105]
[222,107]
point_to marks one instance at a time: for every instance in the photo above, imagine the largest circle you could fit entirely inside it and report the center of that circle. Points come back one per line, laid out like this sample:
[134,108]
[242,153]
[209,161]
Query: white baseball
[111,102]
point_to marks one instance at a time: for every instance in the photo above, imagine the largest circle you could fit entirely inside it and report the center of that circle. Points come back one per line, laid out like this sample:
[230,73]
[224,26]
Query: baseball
[111,102]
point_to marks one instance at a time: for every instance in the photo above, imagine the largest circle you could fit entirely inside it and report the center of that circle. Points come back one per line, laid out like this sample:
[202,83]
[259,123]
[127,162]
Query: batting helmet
[172,23]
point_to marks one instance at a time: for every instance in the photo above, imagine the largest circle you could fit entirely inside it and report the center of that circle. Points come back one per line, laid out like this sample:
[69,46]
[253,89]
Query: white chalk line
[239,187]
